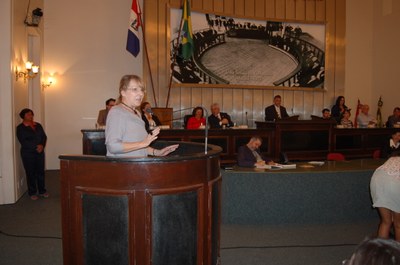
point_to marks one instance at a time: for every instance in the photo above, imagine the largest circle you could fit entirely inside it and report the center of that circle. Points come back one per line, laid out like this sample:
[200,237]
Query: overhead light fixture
[30,72]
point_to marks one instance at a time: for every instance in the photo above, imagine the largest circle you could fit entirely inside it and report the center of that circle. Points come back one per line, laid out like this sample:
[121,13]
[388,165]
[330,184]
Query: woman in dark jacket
[33,139]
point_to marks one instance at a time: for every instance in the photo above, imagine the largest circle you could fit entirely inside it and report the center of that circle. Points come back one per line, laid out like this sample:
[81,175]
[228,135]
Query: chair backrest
[335,157]
[376,154]
[186,119]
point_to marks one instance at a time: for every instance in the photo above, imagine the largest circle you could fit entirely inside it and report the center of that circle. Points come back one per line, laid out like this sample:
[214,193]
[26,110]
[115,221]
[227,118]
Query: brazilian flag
[187,37]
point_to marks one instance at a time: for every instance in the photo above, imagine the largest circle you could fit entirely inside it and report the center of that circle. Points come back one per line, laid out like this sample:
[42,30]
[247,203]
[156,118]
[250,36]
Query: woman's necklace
[132,109]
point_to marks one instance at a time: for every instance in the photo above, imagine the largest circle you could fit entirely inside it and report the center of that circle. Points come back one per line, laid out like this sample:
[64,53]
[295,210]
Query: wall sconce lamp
[31,71]
[50,81]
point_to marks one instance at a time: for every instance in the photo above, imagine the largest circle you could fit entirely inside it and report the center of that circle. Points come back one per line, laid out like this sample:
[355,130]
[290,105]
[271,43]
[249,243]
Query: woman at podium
[125,129]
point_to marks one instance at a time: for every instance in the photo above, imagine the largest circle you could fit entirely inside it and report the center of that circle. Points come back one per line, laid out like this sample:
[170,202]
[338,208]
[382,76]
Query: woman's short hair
[126,79]
[25,111]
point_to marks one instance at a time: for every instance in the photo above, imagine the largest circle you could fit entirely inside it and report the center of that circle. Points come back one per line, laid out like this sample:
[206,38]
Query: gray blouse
[124,126]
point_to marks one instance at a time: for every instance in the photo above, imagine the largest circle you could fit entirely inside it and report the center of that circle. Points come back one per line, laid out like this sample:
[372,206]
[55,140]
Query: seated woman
[338,109]
[345,121]
[392,146]
[197,121]
[150,120]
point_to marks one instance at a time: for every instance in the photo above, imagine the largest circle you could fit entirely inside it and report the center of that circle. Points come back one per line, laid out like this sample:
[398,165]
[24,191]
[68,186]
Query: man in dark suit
[217,119]
[249,155]
[102,117]
[275,111]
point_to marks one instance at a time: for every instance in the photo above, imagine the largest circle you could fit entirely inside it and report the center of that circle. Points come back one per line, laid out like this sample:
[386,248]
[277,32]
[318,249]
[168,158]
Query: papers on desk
[278,166]
[316,163]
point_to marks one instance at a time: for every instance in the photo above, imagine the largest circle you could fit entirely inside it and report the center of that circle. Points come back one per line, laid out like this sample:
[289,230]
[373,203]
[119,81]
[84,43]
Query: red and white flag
[133,42]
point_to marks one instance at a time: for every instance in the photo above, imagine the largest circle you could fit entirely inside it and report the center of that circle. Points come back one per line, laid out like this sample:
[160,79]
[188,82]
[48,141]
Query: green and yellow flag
[187,37]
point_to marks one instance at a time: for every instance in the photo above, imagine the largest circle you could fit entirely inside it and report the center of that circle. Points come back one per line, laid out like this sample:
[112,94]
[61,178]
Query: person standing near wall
[33,139]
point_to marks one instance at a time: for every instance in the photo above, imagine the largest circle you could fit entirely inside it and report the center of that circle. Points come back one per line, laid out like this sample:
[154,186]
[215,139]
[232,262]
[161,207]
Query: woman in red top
[197,121]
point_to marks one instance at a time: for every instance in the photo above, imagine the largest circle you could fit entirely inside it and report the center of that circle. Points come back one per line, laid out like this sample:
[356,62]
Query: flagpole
[147,56]
[174,59]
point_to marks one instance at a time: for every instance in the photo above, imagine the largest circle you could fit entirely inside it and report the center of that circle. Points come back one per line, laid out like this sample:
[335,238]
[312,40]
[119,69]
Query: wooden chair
[335,157]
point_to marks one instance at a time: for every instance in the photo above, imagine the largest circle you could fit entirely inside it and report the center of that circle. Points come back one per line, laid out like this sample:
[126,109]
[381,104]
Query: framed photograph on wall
[229,51]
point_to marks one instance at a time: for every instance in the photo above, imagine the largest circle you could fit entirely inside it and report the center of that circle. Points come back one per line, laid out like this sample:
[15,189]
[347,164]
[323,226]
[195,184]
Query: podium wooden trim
[142,211]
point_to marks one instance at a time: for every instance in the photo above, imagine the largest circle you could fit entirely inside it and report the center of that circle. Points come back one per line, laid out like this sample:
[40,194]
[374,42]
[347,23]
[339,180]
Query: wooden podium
[142,211]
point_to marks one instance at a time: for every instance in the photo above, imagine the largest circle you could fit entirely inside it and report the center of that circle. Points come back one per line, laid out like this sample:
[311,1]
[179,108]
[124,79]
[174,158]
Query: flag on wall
[133,42]
[187,37]
[357,112]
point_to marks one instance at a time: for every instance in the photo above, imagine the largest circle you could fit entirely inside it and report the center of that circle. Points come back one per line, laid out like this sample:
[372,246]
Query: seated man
[394,119]
[275,111]
[102,117]
[364,119]
[217,119]
[391,146]
[326,114]
[249,155]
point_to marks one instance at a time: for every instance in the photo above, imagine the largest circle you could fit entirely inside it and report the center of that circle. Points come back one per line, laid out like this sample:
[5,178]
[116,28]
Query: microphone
[150,111]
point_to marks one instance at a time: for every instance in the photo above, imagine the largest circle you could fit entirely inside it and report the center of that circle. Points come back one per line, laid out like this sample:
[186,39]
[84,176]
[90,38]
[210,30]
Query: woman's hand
[166,150]
[39,148]
[151,137]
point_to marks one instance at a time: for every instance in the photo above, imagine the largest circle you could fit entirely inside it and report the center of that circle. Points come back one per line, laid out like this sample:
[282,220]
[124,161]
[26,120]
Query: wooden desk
[313,139]
[337,192]
[300,140]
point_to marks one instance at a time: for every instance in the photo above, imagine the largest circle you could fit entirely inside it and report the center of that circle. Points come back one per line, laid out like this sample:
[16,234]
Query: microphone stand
[206,130]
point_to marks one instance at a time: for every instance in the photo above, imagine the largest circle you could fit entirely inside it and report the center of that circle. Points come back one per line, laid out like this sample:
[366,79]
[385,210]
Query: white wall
[15,94]
[372,54]
[386,55]
[6,121]
[359,38]
[85,50]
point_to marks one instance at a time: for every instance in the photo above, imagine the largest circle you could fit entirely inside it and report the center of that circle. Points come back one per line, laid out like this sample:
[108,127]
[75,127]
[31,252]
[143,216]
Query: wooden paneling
[308,104]
[280,10]
[208,5]
[340,23]
[288,101]
[310,10]
[175,3]
[270,9]
[301,9]
[229,7]
[249,8]
[219,6]
[236,101]
[320,10]
[239,7]
[259,6]
[290,9]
